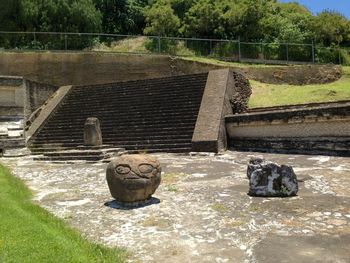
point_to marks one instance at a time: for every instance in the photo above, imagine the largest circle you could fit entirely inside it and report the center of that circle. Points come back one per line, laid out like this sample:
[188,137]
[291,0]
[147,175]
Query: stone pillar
[92,132]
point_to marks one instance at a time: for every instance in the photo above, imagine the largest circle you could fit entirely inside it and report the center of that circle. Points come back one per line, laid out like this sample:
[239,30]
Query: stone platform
[204,213]
[91,154]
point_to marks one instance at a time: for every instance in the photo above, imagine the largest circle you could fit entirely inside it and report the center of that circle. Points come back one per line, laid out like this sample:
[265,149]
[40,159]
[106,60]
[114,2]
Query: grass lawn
[28,233]
[218,62]
[266,95]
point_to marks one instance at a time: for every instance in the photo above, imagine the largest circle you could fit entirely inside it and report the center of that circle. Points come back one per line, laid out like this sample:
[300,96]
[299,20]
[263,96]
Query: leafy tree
[331,28]
[50,15]
[122,16]
[204,19]
[290,23]
[161,19]
[181,7]
[10,15]
[249,18]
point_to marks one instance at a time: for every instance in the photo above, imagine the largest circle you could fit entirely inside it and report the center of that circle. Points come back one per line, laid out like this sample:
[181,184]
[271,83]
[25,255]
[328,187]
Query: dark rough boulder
[92,132]
[270,179]
[133,178]
[243,90]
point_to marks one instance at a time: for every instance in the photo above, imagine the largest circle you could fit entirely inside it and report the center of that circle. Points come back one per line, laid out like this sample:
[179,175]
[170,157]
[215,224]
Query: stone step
[150,150]
[81,151]
[115,142]
[143,147]
[135,93]
[183,79]
[154,116]
[129,127]
[160,83]
[113,137]
[111,120]
[148,115]
[118,131]
[126,87]
[164,136]
[106,120]
[151,109]
[94,158]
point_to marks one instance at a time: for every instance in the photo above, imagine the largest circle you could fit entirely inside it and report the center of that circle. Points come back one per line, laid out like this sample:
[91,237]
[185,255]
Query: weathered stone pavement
[205,214]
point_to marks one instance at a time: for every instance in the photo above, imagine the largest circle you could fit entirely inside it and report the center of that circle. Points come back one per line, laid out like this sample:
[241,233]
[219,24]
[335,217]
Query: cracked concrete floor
[204,214]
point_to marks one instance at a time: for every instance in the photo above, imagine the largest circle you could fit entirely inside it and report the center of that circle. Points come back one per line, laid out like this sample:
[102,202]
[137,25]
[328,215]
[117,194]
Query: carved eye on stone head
[122,169]
[146,168]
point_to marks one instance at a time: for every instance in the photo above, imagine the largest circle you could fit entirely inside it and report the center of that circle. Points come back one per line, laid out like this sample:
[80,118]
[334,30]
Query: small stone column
[92,132]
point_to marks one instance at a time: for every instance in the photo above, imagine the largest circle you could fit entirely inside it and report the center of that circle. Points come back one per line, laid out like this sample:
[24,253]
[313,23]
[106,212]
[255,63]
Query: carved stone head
[133,178]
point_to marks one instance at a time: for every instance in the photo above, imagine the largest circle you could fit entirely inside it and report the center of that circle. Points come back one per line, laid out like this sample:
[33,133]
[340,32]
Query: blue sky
[316,6]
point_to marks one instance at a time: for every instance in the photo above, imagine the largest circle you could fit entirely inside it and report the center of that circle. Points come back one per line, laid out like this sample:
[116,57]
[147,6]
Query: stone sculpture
[133,178]
[92,132]
[271,180]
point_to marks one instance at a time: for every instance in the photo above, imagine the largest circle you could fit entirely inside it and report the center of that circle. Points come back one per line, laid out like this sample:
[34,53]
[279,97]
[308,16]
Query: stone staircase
[82,153]
[11,132]
[157,115]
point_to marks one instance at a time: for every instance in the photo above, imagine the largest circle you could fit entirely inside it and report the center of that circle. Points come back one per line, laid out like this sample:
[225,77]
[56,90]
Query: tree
[181,7]
[290,23]
[50,15]
[161,19]
[331,28]
[248,18]
[204,20]
[10,15]
[122,16]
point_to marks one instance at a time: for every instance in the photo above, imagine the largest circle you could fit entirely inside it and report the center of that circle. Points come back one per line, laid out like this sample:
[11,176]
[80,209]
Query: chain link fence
[228,50]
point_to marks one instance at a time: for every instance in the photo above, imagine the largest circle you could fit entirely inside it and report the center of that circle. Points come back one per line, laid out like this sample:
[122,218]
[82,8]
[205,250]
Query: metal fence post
[210,47]
[313,52]
[65,42]
[239,49]
[287,50]
[262,50]
[159,47]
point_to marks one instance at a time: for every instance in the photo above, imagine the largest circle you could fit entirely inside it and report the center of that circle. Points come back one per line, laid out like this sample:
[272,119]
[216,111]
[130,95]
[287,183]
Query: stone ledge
[210,133]
[334,146]
[341,109]
[50,106]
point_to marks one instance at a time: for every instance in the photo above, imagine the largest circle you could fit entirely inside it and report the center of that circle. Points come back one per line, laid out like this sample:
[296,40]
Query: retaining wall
[316,129]
[88,68]
[20,97]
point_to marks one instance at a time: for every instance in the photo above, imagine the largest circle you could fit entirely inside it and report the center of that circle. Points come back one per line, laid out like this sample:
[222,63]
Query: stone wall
[88,68]
[20,97]
[11,96]
[317,129]
[292,74]
[36,95]
[83,68]
[226,92]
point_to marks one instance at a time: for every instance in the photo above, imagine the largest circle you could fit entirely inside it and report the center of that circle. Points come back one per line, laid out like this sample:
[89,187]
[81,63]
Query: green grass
[28,233]
[269,95]
[218,62]
[266,95]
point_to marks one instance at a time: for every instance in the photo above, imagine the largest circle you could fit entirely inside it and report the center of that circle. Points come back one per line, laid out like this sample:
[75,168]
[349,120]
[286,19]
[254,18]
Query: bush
[333,55]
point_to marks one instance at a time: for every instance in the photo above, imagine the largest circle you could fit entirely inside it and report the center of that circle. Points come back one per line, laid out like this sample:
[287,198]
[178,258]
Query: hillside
[266,95]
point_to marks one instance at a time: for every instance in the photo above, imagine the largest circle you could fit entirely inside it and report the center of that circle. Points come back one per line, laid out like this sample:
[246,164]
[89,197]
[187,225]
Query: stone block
[92,132]
[269,179]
